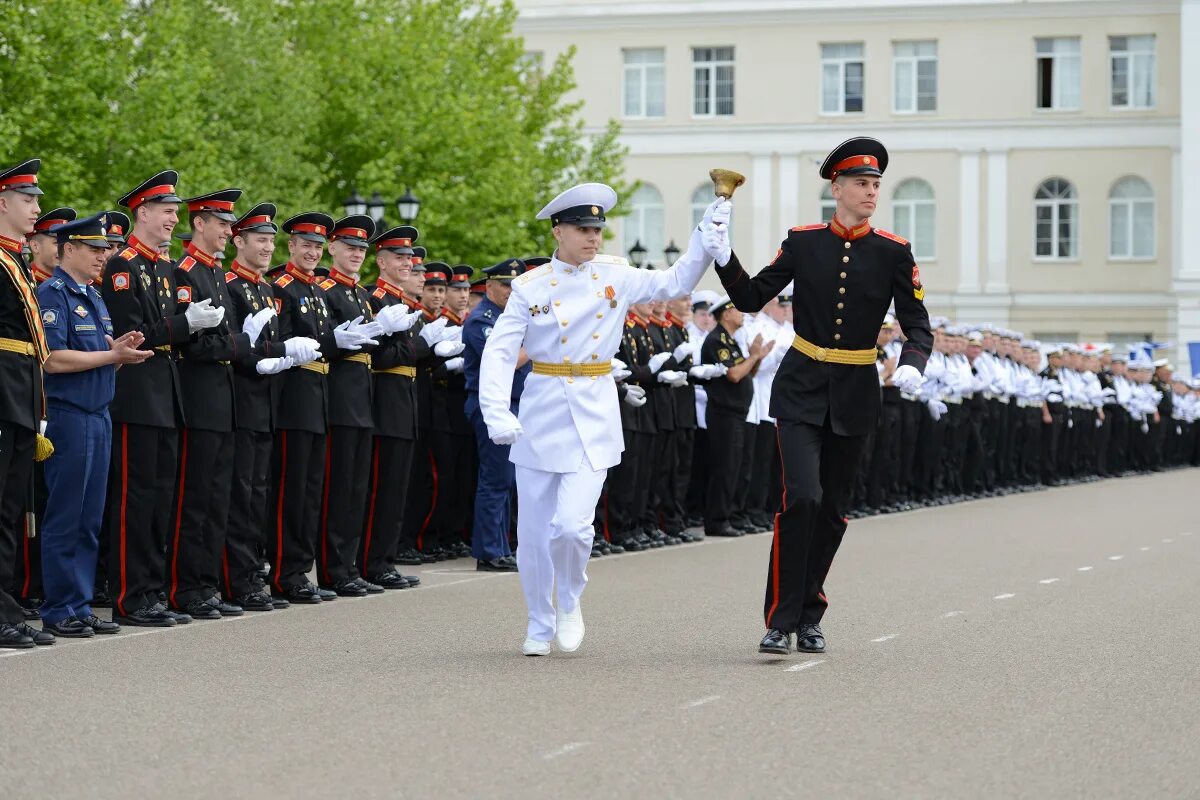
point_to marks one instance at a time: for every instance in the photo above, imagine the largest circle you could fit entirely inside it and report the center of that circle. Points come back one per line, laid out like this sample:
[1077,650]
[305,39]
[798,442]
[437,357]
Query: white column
[789,194]
[1185,194]
[968,222]
[762,193]
[997,222]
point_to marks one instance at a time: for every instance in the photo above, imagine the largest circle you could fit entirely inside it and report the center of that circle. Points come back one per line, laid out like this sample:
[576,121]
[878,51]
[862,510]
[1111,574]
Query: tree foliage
[298,102]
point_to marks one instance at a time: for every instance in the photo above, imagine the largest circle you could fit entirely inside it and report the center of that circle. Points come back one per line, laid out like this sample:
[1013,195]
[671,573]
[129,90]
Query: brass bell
[726,181]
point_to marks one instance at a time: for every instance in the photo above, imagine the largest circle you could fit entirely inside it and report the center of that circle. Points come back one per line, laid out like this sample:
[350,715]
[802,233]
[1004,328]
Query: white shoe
[569,629]
[533,647]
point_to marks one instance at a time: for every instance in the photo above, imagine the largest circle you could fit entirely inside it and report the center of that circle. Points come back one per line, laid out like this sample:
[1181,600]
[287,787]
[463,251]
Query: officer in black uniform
[826,395]
[139,290]
[393,364]
[729,398]
[22,350]
[80,379]
[351,406]
[298,463]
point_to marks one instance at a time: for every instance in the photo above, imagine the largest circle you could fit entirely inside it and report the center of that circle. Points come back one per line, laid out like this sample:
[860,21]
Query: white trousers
[554,539]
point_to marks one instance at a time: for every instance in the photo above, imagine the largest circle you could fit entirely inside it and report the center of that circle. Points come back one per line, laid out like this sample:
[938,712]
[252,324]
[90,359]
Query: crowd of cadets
[292,421]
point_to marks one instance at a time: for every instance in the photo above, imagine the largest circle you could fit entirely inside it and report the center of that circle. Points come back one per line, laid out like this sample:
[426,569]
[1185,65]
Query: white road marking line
[805,665]
[1048,580]
[1005,596]
[1115,558]
[949,614]
[1167,541]
[1143,549]
[702,701]
[1186,533]
[1085,569]
[886,637]
[565,750]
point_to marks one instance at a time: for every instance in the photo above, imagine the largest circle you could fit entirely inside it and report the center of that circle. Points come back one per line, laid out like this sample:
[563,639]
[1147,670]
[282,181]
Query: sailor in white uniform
[569,315]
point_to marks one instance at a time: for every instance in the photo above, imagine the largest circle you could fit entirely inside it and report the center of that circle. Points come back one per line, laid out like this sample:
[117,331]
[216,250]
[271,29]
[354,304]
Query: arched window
[828,204]
[1056,220]
[915,214]
[701,199]
[645,224]
[1131,219]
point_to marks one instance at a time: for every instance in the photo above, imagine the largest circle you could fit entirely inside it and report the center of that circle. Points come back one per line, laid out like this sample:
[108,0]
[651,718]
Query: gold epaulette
[544,269]
[283,280]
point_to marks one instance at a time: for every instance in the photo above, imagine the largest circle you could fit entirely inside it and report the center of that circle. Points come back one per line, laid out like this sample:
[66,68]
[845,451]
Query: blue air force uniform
[74,318]
[493,503]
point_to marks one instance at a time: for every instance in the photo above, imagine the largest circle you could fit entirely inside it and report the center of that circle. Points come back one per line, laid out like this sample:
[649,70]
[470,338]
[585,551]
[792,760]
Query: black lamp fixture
[408,205]
[375,208]
[637,254]
[671,253]
[354,204]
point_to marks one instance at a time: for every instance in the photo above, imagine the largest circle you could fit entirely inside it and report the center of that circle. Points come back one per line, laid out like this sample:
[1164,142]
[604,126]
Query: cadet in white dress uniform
[569,315]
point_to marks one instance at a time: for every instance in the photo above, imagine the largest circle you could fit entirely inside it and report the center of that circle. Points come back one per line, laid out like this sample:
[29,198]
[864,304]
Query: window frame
[1129,203]
[1128,56]
[711,66]
[1055,221]
[642,68]
[913,204]
[1056,71]
[638,213]
[915,62]
[841,62]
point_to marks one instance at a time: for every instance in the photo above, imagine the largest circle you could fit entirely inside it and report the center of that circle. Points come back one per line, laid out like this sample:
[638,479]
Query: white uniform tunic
[572,425]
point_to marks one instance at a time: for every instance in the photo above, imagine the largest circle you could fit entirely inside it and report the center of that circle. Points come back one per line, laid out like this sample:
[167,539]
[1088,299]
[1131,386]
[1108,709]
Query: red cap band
[250,222]
[153,191]
[211,205]
[18,181]
[393,243]
[308,227]
[357,232]
[855,161]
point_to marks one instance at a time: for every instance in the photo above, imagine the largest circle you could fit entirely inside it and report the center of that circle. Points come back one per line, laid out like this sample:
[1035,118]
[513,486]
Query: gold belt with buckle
[17,346]
[316,366]
[569,370]
[832,355]
[361,358]
[408,372]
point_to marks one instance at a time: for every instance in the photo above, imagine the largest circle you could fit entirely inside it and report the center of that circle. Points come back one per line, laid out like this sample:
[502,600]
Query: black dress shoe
[724,530]
[413,580]
[615,548]
[154,616]
[100,626]
[225,608]
[256,601]
[632,545]
[305,594]
[495,565]
[809,639]
[13,639]
[410,557]
[389,580]
[199,609]
[69,628]
[597,551]
[40,638]
[180,617]
[776,642]
[29,607]
[368,587]
[279,603]
[326,595]
[346,589]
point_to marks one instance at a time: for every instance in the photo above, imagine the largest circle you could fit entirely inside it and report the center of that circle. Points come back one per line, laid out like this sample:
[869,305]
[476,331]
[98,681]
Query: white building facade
[1045,154]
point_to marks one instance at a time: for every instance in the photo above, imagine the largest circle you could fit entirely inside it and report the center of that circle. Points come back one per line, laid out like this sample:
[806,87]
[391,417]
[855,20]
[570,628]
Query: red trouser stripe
[279,512]
[121,526]
[774,572]
[371,509]
[179,516]
[325,509]
[433,501]
[25,558]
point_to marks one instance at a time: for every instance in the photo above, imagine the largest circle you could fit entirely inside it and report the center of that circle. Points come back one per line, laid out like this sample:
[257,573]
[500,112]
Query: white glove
[256,323]
[715,239]
[671,376]
[202,315]
[706,372]
[302,349]
[372,330]
[453,334]
[657,361]
[507,435]
[936,409]
[397,318]
[273,366]
[634,396]
[455,365]
[434,332]
[349,335]
[907,379]
[718,212]
[683,351]
[447,349]
[619,371]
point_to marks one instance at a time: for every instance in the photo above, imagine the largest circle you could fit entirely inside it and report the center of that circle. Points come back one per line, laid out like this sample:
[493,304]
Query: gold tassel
[45,448]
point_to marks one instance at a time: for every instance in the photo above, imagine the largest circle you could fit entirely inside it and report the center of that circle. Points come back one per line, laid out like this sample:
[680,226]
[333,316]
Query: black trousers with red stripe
[454,456]
[819,469]
[245,531]
[16,470]
[391,463]
[347,470]
[671,481]
[623,509]
[294,510]
[422,496]
[27,574]
[201,511]
[141,488]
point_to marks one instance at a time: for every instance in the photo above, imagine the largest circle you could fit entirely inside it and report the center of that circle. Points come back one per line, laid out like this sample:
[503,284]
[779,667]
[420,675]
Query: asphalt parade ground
[1039,645]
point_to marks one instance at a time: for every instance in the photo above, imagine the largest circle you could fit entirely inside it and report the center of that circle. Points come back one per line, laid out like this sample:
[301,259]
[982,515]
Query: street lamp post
[354,204]
[637,254]
[409,206]
[671,253]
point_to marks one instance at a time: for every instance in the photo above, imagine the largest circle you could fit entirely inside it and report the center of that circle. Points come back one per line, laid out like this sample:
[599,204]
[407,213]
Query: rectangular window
[1132,71]
[914,65]
[1058,74]
[842,78]
[712,81]
[645,83]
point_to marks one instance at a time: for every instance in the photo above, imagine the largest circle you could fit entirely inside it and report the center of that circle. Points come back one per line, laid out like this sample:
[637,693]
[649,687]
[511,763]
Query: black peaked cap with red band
[260,219]
[157,189]
[22,178]
[356,229]
[219,204]
[311,225]
[399,239]
[861,155]
[51,219]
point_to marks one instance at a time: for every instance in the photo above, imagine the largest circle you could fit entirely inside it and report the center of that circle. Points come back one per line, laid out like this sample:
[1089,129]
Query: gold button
[559,302]
[595,336]
[563,340]
[838,321]
[847,245]
[845,259]
[595,276]
[553,282]
[837,337]
[593,377]
[841,305]
[594,356]
[599,316]
[564,322]
[570,380]
[843,276]
[566,360]
[842,290]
